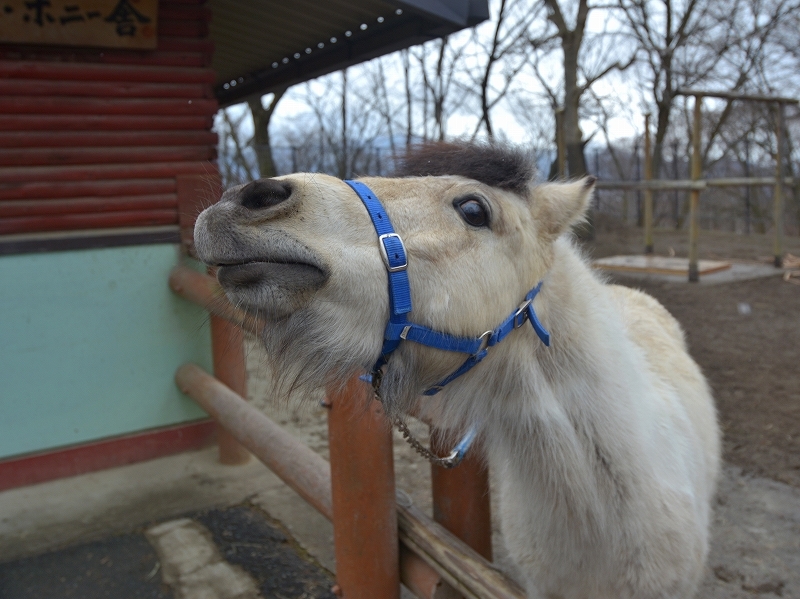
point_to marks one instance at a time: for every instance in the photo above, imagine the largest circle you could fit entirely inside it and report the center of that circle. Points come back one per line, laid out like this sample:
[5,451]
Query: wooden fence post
[366,543]
[226,339]
[648,192]
[694,194]
[778,198]
[561,148]
[227,347]
[461,501]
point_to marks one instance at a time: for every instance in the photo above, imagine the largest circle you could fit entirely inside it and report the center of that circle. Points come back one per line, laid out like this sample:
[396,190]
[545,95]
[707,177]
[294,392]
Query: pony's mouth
[257,272]
[272,288]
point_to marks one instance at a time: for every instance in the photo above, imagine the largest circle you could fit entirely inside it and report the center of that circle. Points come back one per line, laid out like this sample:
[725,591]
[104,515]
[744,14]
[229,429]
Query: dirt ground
[746,337]
[751,357]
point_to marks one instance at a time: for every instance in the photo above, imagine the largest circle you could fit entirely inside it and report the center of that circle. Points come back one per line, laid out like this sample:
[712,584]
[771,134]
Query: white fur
[605,444]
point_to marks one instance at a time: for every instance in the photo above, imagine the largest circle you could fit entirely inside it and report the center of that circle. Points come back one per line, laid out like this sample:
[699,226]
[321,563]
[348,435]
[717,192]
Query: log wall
[94,138]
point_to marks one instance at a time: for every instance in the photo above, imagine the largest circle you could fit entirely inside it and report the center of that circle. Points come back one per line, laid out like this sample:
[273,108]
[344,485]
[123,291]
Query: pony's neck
[572,406]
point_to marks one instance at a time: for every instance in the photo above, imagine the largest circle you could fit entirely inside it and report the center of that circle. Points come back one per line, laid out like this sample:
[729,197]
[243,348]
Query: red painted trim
[107,453]
[47,190]
[77,139]
[19,208]
[99,122]
[101,220]
[116,106]
[71,71]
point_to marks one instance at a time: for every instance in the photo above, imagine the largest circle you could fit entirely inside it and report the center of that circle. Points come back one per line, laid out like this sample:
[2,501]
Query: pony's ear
[559,206]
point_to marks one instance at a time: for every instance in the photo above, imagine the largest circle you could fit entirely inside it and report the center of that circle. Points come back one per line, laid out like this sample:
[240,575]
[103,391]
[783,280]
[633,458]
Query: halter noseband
[400,329]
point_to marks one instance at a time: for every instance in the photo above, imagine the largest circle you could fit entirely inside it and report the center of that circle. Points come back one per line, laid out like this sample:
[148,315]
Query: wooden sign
[100,23]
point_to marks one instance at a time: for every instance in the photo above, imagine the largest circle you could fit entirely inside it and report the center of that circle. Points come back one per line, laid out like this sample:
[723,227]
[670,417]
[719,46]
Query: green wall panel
[89,344]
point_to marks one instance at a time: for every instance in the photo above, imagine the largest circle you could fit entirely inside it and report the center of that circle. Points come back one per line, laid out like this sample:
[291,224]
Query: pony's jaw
[273,290]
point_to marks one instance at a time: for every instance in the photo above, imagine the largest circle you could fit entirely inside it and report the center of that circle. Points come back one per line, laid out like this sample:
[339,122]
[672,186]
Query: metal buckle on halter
[519,316]
[385,252]
[485,338]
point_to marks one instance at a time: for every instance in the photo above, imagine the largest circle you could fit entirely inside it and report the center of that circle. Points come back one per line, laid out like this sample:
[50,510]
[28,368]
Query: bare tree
[713,43]
[439,71]
[342,131]
[236,162]
[406,59]
[586,57]
[505,50]
[262,115]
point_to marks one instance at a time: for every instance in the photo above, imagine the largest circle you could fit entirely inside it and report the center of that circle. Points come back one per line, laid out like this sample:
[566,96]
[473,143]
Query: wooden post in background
[694,194]
[561,147]
[648,192]
[461,501]
[777,219]
[365,537]
[227,347]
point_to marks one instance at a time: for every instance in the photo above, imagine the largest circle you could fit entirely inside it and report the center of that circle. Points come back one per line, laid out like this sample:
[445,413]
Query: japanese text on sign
[101,23]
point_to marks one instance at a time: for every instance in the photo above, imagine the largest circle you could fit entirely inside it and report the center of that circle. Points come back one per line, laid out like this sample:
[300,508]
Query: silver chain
[447,462]
[451,461]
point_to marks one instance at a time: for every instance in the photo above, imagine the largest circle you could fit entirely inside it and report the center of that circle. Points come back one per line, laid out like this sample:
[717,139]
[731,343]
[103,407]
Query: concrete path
[258,528]
[193,567]
[182,526]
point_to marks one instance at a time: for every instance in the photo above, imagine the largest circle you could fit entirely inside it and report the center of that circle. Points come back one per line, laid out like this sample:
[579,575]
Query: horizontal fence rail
[309,475]
[203,290]
[429,554]
[687,184]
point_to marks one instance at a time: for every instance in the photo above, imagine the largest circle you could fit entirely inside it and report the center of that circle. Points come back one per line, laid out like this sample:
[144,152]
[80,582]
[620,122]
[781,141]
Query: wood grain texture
[106,126]
[105,155]
[457,563]
[71,222]
[82,139]
[97,172]
[77,71]
[87,122]
[17,208]
[49,190]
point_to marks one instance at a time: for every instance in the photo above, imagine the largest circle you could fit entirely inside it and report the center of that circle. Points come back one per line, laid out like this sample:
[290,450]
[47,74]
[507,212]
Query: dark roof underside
[267,44]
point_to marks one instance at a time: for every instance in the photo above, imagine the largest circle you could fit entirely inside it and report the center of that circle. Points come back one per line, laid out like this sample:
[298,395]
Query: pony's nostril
[264,193]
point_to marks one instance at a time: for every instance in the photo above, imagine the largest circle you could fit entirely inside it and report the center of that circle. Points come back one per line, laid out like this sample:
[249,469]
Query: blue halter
[400,329]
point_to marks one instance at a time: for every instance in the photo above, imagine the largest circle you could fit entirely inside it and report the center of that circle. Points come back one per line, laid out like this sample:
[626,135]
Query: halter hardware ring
[485,338]
[518,322]
[451,461]
[385,252]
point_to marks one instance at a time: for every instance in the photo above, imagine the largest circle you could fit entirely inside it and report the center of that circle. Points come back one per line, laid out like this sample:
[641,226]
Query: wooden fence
[380,537]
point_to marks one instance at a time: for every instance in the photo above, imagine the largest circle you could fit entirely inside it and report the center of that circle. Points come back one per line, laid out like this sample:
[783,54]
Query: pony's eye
[472,211]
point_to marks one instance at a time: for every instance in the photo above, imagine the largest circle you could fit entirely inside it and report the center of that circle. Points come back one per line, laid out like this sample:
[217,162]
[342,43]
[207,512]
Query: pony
[605,444]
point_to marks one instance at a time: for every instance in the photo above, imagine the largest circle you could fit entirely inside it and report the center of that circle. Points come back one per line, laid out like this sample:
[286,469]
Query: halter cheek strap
[400,329]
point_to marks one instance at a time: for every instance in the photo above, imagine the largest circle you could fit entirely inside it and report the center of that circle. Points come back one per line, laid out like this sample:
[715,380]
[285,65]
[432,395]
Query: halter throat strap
[399,328]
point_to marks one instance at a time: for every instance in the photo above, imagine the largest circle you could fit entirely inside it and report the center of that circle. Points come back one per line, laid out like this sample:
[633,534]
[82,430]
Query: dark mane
[492,164]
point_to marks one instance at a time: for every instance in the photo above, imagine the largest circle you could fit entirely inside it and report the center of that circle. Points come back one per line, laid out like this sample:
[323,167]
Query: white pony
[605,444]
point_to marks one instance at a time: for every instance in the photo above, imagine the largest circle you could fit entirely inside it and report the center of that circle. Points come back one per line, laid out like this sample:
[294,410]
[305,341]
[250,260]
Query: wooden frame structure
[696,184]
[380,538]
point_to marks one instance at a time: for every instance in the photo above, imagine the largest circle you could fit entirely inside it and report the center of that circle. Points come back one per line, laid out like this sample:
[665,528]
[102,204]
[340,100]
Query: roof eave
[421,22]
